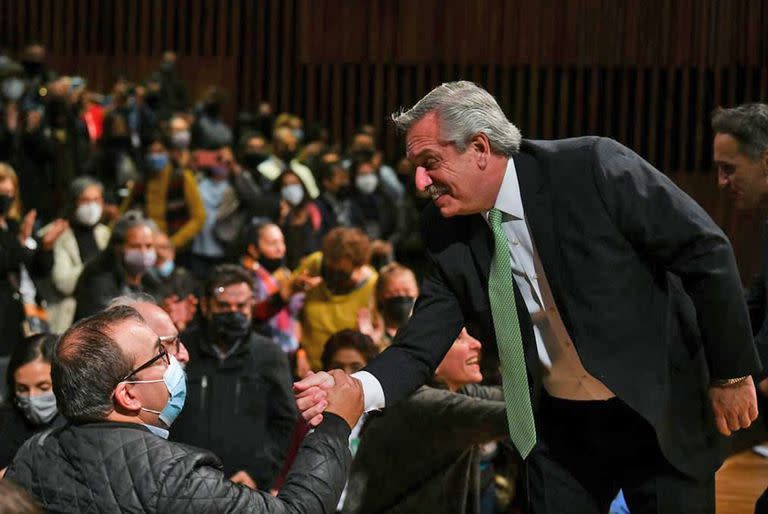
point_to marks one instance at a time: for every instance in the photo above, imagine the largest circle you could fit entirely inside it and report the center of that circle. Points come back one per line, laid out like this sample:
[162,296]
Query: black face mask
[32,68]
[344,192]
[213,109]
[251,160]
[397,310]
[119,142]
[5,204]
[337,282]
[272,265]
[231,326]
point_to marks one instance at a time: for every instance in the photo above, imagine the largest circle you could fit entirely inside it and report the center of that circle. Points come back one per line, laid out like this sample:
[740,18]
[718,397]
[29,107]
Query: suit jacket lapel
[481,244]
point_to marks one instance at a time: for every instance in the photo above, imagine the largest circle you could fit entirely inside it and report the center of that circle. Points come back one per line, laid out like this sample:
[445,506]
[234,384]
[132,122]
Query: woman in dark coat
[30,405]
[21,259]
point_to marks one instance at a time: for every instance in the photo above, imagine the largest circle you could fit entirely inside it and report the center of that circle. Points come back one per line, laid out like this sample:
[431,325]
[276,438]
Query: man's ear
[482,148]
[126,402]
[253,251]
[204,306]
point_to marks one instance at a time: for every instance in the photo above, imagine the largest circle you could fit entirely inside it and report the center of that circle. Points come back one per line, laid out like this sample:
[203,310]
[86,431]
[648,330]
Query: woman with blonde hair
[21,258]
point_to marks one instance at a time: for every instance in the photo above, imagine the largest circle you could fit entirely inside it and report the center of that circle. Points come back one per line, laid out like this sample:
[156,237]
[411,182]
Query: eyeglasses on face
[162,355]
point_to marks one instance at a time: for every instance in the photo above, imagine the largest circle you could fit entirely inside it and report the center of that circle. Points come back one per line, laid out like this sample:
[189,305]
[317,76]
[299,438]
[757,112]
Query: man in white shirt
[629,313]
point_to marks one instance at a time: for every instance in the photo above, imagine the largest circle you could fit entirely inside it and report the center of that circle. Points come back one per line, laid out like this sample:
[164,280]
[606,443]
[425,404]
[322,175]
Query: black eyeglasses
[162,355]
[171,343]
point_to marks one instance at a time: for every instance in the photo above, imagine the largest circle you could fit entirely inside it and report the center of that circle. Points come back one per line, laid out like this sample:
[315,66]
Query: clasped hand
[333,391]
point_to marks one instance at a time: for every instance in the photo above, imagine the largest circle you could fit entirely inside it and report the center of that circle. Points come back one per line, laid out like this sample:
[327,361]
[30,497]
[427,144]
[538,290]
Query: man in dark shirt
[240,404]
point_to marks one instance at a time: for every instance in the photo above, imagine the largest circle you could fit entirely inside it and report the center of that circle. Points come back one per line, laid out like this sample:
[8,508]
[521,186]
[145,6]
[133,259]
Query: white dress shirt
[568,379]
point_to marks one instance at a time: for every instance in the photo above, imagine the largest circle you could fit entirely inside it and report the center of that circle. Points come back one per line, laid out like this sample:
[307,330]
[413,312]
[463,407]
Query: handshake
[334,392]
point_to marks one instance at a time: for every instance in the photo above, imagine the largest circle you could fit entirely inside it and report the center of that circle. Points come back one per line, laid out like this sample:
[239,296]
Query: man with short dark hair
[121,391]
[741,159]
[241,405]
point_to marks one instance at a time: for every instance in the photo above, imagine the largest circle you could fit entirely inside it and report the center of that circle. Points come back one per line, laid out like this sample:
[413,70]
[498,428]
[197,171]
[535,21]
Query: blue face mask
[165,269]
[176,382]
[157,161]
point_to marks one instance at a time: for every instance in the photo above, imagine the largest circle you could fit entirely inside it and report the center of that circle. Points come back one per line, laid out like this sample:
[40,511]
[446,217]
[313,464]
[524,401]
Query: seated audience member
[348,285]
[209,130]
[396,293]
[435,435]
[382,254]
[123,267]
[30,405]
[122,391]
[364,145]
[158,320]
[246,198]
[254,151]
[85,238]
[333,202]
[177,288]
[168,195]
[21,259]
[264,259]
[372,210]
[115,162]
[285,147]
[240,402]
[349,351]
[300,219]
[179,137]
[207,251]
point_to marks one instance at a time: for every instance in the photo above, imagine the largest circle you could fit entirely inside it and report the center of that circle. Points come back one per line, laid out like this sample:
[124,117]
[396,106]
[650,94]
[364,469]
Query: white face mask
[89,213]
[13,88]
[293,194]
[367,183]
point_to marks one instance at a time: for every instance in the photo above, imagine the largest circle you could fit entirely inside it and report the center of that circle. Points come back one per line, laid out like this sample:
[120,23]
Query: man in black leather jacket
[121,391]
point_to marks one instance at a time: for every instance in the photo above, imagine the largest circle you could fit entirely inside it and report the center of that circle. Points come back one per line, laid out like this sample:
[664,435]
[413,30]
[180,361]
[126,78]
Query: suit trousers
[588,450]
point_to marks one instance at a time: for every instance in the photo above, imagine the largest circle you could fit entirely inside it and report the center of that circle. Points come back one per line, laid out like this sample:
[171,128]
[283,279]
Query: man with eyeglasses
[120,390]
[159,321]
[241,403]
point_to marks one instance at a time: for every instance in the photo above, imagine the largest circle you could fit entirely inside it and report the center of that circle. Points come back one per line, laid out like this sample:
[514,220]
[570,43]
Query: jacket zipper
[203,391]
[238,386]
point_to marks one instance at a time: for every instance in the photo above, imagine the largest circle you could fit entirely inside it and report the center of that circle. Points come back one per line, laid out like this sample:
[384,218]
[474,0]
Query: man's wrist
[729,382]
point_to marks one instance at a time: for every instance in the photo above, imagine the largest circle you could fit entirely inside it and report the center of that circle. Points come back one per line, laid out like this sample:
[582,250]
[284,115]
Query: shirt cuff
[372,392]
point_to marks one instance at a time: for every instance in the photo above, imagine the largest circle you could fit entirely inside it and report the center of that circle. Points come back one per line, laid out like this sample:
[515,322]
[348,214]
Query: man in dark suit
[741,159]
[625,306]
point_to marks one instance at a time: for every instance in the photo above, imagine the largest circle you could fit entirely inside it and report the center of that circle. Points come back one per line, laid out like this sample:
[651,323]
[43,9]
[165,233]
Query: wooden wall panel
[646,72]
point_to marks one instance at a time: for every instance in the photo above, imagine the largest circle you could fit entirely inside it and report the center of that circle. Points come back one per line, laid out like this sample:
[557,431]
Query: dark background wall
[646,72]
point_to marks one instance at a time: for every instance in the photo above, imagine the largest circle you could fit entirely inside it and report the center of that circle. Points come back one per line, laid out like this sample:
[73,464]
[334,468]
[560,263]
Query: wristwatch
[729,382]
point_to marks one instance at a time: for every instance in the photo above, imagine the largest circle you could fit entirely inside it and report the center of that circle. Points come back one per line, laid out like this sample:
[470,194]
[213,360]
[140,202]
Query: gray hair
[131,299]
[463,110]
[129,220]
[747,123]
[80,184]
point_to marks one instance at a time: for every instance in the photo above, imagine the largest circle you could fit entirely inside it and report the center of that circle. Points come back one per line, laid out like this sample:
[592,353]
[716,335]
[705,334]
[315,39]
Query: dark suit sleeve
[756,302]
[423,342]
[668,228]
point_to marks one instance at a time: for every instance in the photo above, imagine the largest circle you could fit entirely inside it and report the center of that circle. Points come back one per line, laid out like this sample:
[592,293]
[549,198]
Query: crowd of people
[258,254]
[193,312]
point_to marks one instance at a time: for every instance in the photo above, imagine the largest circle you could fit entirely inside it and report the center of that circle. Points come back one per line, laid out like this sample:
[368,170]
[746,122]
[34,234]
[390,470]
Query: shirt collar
[160,432]
[509,200]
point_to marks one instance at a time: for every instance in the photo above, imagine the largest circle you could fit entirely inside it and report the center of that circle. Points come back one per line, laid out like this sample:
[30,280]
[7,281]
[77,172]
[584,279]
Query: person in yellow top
[348,286]
[168,195]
